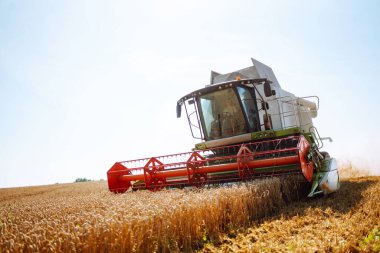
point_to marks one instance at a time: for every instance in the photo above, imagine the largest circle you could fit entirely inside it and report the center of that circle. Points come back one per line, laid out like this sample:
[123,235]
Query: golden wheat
[347,221]
[86,217]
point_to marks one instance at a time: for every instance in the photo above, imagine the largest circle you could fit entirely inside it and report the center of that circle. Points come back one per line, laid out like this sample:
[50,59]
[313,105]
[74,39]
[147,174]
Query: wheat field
[258,216]
[86,217]
[347,221]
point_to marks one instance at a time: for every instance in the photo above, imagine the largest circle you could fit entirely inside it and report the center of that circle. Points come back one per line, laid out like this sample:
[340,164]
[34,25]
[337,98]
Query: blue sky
[86,83]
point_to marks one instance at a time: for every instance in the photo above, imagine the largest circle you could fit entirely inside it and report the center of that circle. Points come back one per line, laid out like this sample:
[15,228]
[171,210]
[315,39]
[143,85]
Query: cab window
[222,115]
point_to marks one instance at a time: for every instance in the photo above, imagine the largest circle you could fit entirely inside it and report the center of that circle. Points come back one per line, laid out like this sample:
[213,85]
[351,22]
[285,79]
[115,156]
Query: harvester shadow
[345,199]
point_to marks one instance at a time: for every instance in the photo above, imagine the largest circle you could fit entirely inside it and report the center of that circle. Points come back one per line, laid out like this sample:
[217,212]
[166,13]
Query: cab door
[249,105]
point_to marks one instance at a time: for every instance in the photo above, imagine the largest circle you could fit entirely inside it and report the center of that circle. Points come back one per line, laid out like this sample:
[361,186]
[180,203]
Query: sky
[84,84]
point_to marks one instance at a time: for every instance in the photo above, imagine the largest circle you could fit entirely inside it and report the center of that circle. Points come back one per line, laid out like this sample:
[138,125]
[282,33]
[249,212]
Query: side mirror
[264,105]
[179,108]
[268,90]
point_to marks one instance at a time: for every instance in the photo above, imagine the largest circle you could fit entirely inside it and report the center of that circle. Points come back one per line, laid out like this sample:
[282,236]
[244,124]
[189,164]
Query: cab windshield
[222,114]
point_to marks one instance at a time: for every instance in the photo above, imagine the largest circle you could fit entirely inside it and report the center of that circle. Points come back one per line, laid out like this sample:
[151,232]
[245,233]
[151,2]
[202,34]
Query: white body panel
[330,181]
[288,111]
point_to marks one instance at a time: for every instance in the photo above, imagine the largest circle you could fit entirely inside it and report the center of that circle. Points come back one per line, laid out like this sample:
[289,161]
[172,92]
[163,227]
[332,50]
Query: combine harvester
[249,127]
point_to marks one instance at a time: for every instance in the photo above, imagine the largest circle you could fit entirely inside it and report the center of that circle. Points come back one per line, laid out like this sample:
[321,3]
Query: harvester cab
[248,127]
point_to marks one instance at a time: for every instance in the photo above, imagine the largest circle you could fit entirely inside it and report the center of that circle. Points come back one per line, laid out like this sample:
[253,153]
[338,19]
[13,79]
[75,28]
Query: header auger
[250,128]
